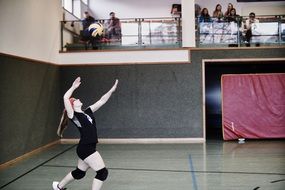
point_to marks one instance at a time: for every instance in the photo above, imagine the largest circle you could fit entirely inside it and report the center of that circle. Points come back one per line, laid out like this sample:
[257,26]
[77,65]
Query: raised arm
[67,96]
[104,98]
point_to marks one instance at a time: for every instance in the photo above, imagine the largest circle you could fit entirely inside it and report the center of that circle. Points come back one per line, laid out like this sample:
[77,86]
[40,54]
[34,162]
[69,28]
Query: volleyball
[96,29]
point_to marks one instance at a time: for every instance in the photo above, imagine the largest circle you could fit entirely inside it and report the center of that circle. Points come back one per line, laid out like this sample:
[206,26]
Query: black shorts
[85,150]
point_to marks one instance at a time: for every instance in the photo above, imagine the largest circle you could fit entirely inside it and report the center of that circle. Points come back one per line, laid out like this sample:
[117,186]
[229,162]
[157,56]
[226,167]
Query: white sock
[97,184]
[66,180]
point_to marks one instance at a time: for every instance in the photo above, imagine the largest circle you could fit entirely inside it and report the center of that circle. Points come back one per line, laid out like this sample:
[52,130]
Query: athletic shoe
[55,186]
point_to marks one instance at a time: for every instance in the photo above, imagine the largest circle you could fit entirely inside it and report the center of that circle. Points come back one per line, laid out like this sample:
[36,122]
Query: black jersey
[85,122]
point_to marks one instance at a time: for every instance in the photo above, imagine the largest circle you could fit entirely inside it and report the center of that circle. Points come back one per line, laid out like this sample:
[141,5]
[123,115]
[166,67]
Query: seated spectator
[230,7]
[204,16]
[247,27]
[233,16]
[218,12]
[113,27]
[176,10]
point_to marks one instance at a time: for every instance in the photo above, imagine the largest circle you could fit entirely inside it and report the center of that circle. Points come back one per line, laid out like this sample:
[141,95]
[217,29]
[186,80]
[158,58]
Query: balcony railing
[136,33]
[270,30]
[140,33]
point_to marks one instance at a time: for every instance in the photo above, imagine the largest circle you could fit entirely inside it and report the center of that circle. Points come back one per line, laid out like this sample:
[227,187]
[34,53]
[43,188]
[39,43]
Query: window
[67,4]
[75,6]
[85,2]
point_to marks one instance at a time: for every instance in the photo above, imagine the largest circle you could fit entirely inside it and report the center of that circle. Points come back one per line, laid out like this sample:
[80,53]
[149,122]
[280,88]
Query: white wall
[264,8]
[125,57]
[188,24]
[30,28]
[243,9]
[132,8]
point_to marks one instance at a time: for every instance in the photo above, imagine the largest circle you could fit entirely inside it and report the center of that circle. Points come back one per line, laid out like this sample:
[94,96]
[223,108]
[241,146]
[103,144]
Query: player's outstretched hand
[76,83]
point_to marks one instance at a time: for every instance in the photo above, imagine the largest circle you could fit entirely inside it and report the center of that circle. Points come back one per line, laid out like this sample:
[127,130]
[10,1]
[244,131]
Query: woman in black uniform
[86,149]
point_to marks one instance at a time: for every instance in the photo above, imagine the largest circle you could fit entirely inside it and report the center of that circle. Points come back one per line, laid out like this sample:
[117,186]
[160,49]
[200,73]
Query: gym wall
[152,101]
[29,105]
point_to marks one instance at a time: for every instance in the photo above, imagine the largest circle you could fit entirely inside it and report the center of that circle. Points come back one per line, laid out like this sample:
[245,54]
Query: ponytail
[64,120]
[63,123]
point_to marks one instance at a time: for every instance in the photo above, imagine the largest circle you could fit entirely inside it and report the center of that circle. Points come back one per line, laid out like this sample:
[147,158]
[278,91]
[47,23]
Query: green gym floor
[214,165]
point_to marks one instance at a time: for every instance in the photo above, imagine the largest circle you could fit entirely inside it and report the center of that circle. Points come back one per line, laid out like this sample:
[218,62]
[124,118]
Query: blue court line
[192,171]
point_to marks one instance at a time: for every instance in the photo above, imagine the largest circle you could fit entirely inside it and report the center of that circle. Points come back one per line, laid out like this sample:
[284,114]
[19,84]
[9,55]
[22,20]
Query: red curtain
[253,106]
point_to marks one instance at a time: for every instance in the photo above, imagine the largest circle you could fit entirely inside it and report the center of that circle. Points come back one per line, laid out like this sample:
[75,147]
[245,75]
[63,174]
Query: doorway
[212,98]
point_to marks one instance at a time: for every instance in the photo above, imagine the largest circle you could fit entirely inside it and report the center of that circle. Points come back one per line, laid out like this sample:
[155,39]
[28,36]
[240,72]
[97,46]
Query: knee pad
[78,174]
[102,174]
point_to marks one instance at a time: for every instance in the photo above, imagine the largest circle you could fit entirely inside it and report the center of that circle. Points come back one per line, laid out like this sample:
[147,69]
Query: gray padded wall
[152,101]
[245,53]
[29,101]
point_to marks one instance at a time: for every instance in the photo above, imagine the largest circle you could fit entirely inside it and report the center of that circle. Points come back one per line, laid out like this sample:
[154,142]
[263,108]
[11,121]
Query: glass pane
[68,5]
[264,39]
[130,29]
[85,2]
[145,28]
[77,8]
[218,33]
[225,39]
[206,28]
[166,29]
[158,40]
[225,28]
[159,32]
[283,28]
[130,40]
[265,32]
[283,32]
[206,39]
[270,28]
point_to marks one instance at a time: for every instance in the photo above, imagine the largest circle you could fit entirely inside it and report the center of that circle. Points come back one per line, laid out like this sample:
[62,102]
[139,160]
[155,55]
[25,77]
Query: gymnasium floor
[215,165]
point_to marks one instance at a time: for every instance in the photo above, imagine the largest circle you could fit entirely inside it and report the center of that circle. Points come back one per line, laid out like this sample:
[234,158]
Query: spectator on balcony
[113,27]
[85,34]
[233,16]
[197,10]
[204,16]
[248,26]
[230,7]
[218,14]
[176,10]
[87,21]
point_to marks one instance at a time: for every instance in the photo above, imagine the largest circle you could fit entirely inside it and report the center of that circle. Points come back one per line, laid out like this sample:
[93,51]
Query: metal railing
[140,33]
[270,30]
[134,33]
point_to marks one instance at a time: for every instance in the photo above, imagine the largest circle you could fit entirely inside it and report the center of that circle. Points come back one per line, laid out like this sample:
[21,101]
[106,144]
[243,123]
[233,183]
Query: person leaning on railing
[218,12]
[230,7]
[233,17]
[176,10]
[204,16]
[86,22]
